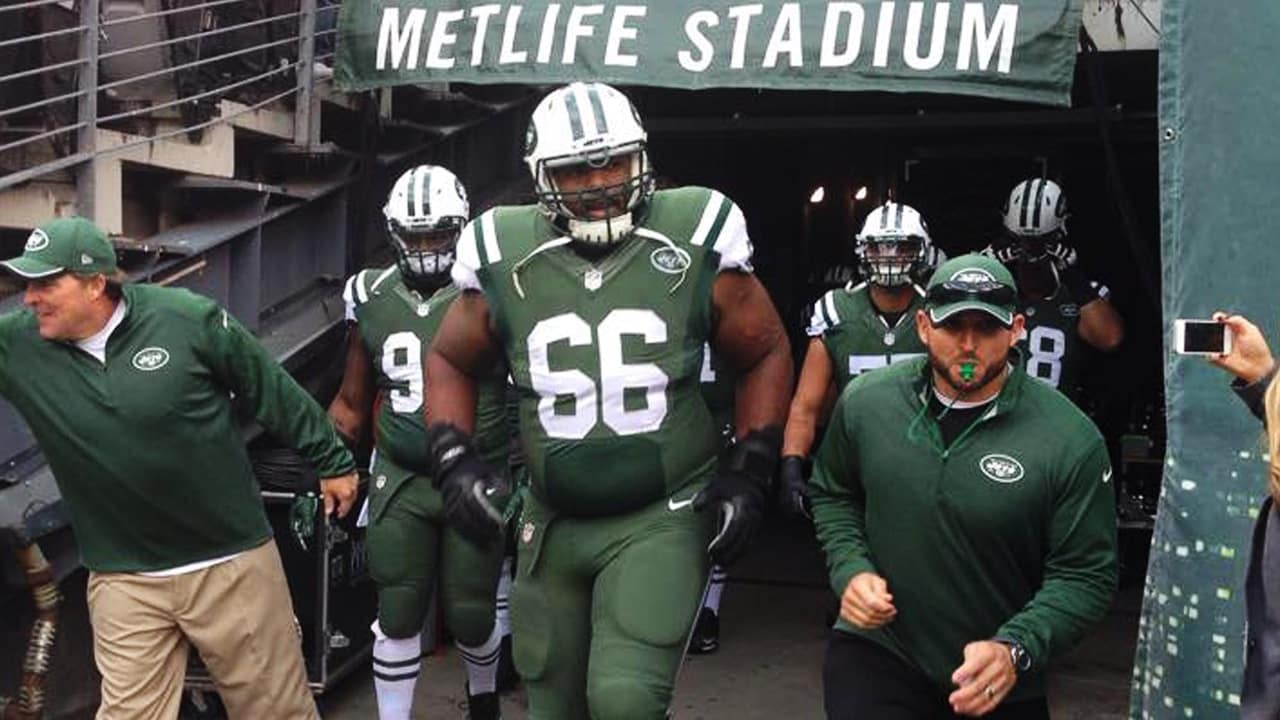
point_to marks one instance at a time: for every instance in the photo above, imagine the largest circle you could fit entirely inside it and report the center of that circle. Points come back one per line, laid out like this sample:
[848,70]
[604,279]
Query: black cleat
[706,634]
[507,676]
[484,706]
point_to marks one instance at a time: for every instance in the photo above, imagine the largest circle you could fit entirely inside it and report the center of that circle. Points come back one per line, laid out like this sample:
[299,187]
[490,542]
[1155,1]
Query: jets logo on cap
[150,359]
[85,259]
[1001,468]
[973,276]
[38,240]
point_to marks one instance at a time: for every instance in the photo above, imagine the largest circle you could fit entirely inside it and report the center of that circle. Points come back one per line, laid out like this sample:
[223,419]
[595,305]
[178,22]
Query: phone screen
[1203,337]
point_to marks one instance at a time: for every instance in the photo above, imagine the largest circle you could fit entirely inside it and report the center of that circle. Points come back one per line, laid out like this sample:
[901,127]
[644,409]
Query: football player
[601,297]
[855,329]
[1061,305]
[393,313]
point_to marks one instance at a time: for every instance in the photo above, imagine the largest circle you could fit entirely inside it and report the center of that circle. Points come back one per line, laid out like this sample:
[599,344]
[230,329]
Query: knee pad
[623,698]
[471,622]
[401,612]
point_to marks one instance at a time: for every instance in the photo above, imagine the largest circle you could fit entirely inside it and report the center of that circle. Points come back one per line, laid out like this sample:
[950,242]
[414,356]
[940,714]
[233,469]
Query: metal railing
[152,68]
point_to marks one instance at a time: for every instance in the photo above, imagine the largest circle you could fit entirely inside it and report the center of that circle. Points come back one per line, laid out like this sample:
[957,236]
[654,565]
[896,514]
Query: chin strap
[606,231]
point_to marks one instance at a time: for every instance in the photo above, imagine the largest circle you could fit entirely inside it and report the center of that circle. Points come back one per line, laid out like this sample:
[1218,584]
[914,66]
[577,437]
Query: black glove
[467,484]
[793,491]
[1081,290]
[738,491]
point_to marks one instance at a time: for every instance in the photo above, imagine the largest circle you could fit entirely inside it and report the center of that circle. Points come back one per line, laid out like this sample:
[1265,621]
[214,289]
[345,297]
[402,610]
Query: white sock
[715,589]
[396,664]
[482,663]
[503,618]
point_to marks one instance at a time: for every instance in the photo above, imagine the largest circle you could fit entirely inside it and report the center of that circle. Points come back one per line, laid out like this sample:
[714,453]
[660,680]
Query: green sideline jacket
[145,448]
[1008,532]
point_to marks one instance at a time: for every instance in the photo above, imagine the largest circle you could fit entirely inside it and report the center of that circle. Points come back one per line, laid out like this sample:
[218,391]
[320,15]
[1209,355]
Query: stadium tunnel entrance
[954,159]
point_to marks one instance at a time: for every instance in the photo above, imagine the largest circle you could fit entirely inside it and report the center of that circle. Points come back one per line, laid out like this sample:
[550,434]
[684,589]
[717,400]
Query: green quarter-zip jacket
[1008,532]
[145,447]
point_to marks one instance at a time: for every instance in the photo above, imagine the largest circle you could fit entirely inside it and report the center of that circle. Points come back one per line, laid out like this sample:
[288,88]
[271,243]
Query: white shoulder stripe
[378,281]
[709,214]
[490,237]
[829,300]
[349,299]
[467,262]
[362,295]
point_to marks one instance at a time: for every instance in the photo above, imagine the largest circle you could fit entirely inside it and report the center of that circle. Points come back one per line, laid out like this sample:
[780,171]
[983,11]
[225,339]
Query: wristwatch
[1017,653]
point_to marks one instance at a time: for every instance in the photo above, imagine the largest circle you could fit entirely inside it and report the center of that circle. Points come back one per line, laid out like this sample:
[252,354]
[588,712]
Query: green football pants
[602,607]
[410,547]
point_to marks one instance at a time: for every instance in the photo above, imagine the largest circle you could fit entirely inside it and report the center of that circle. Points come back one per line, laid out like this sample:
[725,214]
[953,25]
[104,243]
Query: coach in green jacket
[128,391]
[967,517]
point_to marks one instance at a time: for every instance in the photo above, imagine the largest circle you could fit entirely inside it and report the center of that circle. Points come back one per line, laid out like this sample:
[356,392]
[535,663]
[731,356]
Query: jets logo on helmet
[585,126]
[1036,207]
[893,245]
[425,212]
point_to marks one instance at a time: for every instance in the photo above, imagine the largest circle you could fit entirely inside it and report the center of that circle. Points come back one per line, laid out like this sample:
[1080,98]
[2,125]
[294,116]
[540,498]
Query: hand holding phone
[1201,337]
[1250,358]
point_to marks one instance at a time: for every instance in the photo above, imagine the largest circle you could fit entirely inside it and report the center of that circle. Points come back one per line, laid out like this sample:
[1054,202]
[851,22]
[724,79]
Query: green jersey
[1008,531]
[396,326]
[145,446]
[606,350]
[1051,343]
[858,337]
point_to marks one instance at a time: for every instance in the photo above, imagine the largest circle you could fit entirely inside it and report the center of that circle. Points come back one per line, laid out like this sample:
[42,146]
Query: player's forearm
[802,426]
[1101,326]
[348,420]
[764,391]
[451,394]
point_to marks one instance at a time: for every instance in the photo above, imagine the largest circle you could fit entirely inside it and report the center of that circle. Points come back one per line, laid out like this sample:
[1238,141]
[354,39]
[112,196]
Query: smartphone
[1201,337]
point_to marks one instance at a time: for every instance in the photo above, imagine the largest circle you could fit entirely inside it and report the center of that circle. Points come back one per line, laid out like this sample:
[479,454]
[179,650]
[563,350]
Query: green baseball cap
[65,245]
[972,282]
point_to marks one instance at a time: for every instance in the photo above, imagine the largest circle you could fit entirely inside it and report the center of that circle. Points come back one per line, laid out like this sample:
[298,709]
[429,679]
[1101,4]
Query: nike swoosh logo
[1106,477]
[674,505]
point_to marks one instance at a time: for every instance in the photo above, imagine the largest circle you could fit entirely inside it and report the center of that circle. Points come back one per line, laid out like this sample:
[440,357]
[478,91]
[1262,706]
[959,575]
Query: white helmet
[1036,208]
[588,124]
[426,202]
[893,245]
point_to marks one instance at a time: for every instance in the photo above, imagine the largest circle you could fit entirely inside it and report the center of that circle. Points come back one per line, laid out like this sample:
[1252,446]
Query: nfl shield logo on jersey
[593,279]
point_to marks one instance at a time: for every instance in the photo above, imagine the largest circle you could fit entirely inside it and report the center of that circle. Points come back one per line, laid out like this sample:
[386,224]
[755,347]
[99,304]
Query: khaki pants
[237,614]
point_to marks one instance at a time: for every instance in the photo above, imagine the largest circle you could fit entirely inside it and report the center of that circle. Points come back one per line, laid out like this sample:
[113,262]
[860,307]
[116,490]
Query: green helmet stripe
[575,115]
[425,201]
[597,109]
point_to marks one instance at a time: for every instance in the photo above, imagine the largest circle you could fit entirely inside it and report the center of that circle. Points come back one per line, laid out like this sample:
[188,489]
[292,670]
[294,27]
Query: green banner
[1218,198]
[1021,50]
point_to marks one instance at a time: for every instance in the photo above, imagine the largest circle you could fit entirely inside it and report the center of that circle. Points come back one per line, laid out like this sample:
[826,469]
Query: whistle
[966,371]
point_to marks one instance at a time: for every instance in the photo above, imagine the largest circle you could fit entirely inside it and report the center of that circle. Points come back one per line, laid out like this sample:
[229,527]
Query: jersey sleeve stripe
[348,299]
[490,234]
[467,263]
[732,243]
[709,214]
[829,300]
[362,295]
